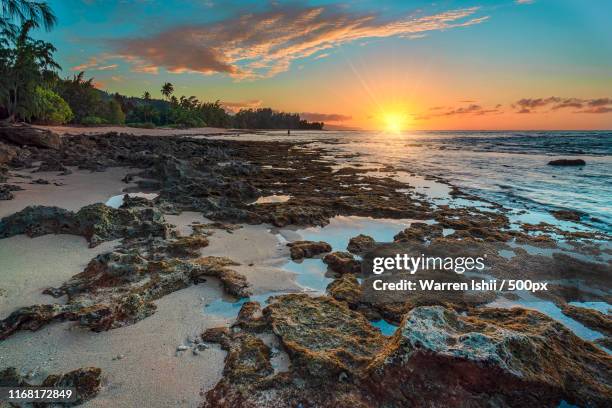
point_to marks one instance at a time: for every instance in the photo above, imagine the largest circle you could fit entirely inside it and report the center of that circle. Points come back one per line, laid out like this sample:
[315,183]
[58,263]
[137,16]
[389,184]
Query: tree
[167,90]
[146,96]
[14,13]
[82,96]
[50,108]
[25,63]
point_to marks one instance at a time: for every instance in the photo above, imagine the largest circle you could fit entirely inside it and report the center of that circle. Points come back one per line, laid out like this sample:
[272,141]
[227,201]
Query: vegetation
[32,91]
[50,108]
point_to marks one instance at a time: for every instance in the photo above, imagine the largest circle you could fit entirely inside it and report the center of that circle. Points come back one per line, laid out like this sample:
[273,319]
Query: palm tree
[146,96]
[167,90]
[14,13]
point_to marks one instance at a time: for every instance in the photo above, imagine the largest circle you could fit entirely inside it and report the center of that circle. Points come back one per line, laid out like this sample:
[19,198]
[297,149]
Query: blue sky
[354,58]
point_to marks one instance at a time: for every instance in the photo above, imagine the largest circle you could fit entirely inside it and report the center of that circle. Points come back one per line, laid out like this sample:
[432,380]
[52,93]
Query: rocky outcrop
[307,249]
[566,215]
[360,244]
[342,262]
[419,231]
[24,135]
[86,382]
[118,288]
[567,162]
[6,191]
[508,358]
[346,289]
[96,222]
[514,357]
[593,319]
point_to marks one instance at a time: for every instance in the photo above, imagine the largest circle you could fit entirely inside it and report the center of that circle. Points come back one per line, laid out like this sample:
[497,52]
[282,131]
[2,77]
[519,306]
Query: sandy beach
[141,364]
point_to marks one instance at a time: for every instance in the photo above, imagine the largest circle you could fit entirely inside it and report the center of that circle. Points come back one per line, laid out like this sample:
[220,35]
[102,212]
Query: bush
[93,121]
[50,108]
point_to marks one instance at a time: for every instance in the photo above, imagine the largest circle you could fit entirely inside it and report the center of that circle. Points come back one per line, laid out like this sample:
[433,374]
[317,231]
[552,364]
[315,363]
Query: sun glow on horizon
[394,121]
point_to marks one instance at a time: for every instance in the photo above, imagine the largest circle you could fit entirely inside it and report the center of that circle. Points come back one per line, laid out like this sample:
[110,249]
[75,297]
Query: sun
[394,122]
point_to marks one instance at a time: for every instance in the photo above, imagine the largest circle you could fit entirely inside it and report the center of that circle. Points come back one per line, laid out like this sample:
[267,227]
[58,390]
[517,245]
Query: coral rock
[307,249]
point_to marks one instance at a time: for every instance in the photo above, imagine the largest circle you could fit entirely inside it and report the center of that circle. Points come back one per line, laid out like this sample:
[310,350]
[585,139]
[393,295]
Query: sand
[97,130]
[140,364]
[80,188]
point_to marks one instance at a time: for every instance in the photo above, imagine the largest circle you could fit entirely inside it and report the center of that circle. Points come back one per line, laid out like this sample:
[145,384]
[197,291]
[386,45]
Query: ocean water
[509,168]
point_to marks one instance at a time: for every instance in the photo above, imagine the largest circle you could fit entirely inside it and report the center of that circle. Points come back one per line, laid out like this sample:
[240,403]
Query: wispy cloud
[261,45]
[471,110]
[94,64]
[324,117]
[524,1]
[533,105]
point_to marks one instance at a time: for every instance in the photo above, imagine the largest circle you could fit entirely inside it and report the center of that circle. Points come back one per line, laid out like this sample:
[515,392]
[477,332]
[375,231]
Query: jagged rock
[53,165]
[307,249]
[6,191]
[593,319]
[86,382]
[96,222]
[23,135]
[342,262]
[489,357]
[118,288]
[567,162]
[360,244]
[566,215]
[419,231]
[513,357]
[187,246]
[346,289]
[322,336]
[233,282]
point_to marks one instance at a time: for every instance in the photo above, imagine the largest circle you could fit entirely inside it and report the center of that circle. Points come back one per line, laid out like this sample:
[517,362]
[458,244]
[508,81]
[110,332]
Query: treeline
[32,91]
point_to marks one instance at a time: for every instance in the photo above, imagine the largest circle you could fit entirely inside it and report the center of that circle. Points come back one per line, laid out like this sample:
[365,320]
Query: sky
[370,64]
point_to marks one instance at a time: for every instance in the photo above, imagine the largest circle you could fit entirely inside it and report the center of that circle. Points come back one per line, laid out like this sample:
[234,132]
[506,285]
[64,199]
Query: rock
[419,231]
[234,283]
[7,153]
[346,289]
[515,357]
[567,162]
[566,215]
[360,244]
[182,348]
[96,222]
[24,135]
[86,382]
[39,181]
[187,246]
[593,319]
[307,249]
[342,262]
[6,191]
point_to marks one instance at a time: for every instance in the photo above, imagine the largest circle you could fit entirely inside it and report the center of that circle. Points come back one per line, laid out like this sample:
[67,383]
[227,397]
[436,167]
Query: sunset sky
[488,64]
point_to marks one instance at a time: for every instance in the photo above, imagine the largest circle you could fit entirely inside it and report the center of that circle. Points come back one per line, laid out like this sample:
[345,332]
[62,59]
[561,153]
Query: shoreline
[239,240]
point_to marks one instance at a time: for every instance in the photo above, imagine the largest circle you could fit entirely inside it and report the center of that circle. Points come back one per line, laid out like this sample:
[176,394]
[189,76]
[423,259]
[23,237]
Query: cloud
[93,64]
[534,105]
[324,117]
[524,1]
[236,106]
[472,110]
[261,45]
